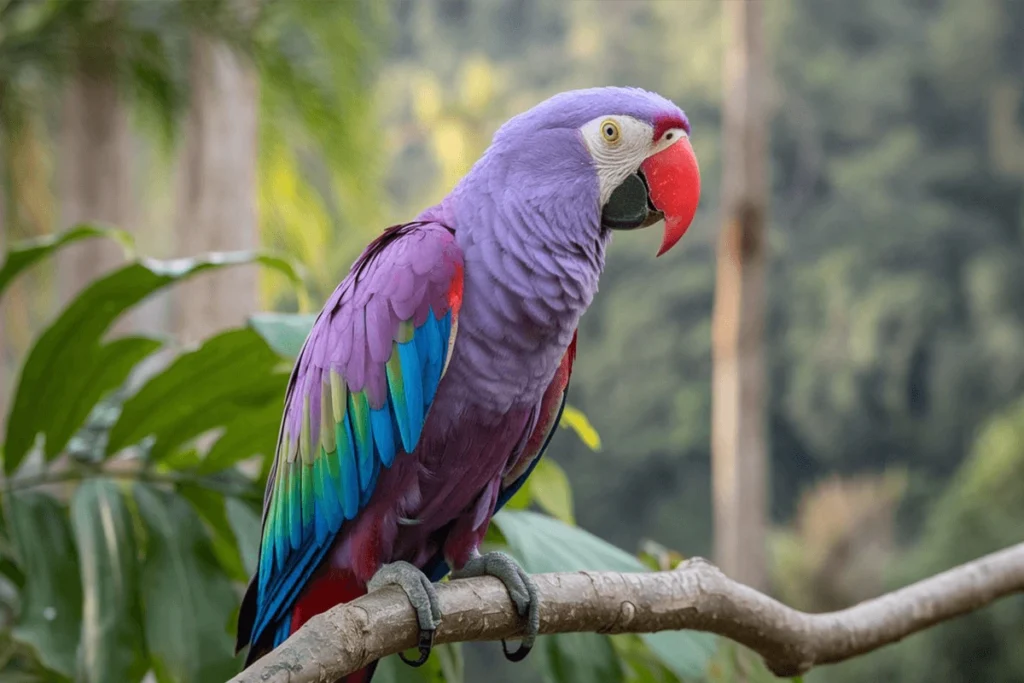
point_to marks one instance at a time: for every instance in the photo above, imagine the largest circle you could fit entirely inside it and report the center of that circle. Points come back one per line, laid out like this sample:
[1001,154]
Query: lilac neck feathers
[529,227]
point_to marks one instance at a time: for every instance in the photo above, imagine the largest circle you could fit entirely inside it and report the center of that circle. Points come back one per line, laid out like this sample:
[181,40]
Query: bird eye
[610,131]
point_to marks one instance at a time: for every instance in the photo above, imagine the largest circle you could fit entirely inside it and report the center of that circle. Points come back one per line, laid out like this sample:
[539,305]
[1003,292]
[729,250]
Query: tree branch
[696,595]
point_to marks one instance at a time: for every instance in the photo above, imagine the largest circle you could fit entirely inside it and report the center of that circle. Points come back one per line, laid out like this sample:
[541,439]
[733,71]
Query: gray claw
[422,596]
[521,589]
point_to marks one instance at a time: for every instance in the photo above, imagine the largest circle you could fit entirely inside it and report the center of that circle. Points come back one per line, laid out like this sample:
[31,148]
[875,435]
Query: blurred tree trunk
[95,158]
[739,432]
[217,189]
[4,380]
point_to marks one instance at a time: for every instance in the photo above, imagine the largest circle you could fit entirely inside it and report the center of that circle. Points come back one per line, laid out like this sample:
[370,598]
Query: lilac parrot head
[597,160]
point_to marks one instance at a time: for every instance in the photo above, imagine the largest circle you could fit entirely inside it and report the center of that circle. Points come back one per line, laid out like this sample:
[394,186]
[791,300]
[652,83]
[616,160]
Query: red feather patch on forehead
[668,122]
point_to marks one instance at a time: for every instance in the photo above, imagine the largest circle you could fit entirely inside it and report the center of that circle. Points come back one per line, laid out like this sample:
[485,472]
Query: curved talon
[521,589]
[520,654]
[425,645]
[423,598]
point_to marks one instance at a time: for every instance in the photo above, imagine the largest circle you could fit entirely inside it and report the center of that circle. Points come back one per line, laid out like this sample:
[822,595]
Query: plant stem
[71,475]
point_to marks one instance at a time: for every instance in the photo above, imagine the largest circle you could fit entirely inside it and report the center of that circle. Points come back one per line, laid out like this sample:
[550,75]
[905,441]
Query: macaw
[435,374]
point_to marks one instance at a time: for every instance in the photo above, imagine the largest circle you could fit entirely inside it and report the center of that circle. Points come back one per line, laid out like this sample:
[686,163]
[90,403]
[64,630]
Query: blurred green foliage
[895,336]
[979,512]
[318,164]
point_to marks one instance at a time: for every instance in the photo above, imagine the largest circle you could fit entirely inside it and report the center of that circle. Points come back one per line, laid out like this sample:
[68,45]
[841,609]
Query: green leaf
[685,653]
[26,253]
[187,600]
[212,507]
[247,527]
[544,544]
[230,374]
[284,332]
[51,612]
[640,664]
[252,431]
[444,666]
[113,647]
[69,351]
[550,489]
[453,665]
[106,369]
[521,499]
[577,658]
[574,419]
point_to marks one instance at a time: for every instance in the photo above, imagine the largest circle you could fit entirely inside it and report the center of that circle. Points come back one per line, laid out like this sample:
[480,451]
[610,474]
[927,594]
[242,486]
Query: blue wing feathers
[423,339]
[280,548]
[283,630]
[332,494]
[339,484]
[295,507]
[384,433]
[308,500]
[286,588]
[329,515]
[368,491]
[348,477]
[311,498]
[412,375]
[432,339]
[359,418]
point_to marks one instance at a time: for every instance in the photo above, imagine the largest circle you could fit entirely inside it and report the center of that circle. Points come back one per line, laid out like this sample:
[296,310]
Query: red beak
[673,179]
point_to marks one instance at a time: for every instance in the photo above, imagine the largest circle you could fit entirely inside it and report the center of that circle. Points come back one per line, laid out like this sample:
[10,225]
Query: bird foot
[521,589]
[422,596]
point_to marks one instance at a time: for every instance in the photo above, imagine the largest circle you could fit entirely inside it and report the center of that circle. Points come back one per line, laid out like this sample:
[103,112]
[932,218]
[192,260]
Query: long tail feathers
[324,592]
[327,589]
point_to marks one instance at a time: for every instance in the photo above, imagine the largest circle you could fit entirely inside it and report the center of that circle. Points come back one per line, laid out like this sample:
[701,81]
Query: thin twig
[696,595]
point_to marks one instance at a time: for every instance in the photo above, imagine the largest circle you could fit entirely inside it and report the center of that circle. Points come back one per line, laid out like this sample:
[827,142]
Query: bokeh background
[895,293]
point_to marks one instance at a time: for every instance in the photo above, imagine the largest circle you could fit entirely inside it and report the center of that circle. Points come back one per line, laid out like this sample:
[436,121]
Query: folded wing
[357,400]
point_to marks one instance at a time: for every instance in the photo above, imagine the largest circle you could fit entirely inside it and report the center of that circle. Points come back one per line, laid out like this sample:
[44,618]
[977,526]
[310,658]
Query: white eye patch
[615,157]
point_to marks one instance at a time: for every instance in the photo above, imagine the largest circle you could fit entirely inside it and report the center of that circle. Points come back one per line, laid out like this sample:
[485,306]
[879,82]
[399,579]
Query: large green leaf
[246,524]
[230,374]
[106,369]
[549,487]
[187,599]
[285,332]
[22,255]
[544,544]
[212,507]
[640,664]
[69,351]
[51,600]
[444,666]
[252,431]
[113,648]
[577,658]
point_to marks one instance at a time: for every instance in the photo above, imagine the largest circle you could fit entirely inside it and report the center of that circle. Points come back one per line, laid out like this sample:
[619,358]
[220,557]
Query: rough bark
[739,432]
[217,190]
[695,596]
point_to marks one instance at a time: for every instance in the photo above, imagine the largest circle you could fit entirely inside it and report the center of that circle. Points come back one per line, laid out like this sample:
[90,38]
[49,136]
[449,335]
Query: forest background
[895,322]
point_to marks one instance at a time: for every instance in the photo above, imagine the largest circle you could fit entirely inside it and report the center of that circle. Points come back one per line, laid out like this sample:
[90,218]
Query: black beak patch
[630,207]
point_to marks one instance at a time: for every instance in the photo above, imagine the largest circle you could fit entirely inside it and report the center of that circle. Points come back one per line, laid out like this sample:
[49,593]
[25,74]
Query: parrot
[434,376]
